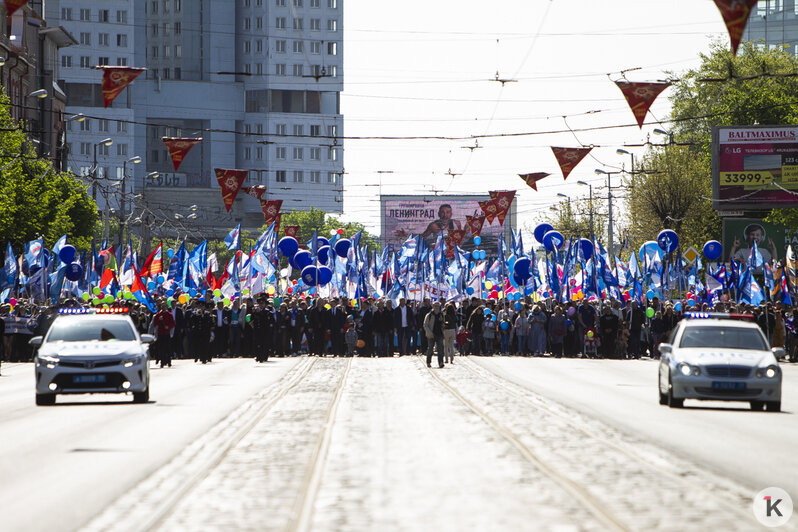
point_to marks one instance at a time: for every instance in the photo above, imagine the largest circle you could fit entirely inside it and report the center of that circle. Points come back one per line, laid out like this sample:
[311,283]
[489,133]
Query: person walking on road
[433,329]
[449,331]
[163,324]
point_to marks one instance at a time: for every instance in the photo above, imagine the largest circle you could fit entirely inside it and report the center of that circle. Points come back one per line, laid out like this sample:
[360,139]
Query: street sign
[690,255]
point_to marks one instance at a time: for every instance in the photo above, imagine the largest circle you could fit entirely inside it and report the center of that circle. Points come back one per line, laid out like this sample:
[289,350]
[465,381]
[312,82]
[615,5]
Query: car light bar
[111,310]
[717,316]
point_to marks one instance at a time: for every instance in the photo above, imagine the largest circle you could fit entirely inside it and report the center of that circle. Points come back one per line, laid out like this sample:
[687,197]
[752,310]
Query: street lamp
[105,142]
[586,184]
[599,171]
[122,203]
[39,93]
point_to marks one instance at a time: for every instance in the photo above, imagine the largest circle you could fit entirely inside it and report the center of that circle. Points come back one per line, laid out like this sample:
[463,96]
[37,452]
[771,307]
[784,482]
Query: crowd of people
[263,327]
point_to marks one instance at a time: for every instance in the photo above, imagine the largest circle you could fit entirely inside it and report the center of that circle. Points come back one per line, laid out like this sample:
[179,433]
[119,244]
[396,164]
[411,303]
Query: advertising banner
[771,240]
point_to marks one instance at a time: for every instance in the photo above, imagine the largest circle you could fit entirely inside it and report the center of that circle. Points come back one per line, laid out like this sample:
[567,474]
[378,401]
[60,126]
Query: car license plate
[88,379]
[723,385]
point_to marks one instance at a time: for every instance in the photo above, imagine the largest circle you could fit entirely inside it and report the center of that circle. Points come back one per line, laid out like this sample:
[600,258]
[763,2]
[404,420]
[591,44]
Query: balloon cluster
[478,254]
[302,260]
[69,255]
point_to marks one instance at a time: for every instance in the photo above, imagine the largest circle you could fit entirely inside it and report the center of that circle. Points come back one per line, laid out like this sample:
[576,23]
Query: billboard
[754,167]
[771,240]
[402,216]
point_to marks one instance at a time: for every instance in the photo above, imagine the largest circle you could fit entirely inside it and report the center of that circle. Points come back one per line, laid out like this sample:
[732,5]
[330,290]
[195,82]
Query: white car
[720,357]
[91,351]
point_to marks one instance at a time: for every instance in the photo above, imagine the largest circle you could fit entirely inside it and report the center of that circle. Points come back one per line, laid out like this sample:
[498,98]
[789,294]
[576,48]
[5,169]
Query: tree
[325,224]
[35,200]
[572,219]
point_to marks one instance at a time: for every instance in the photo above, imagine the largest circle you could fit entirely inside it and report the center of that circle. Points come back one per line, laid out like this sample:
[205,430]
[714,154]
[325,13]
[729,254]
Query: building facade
[258,80]
[774,22]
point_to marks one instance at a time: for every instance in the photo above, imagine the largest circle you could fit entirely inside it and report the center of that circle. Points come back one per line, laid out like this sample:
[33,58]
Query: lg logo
[772,507]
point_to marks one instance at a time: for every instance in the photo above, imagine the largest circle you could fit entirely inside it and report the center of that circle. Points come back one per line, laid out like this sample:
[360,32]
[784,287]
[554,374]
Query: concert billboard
[402,216]
[754,167]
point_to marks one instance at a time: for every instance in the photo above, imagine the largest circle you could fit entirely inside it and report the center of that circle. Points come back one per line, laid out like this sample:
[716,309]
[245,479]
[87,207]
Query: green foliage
[34,199]
[315,219]
[572,219]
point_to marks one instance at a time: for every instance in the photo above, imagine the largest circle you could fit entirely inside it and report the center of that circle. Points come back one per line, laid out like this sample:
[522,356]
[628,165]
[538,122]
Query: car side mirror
[36,341]
[147,338]
[779,353]
[665,348]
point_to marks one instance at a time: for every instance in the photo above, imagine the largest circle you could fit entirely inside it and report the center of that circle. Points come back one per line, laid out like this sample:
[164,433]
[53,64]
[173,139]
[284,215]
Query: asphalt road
[758,449]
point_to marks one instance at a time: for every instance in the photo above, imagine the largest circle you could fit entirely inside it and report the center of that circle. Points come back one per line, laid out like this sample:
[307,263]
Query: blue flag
[233,239]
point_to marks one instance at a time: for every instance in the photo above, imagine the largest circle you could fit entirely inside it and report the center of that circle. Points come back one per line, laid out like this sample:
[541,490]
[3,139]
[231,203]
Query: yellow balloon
[327,306]
[501,293]
[590,334]
[270,290]
[488,285]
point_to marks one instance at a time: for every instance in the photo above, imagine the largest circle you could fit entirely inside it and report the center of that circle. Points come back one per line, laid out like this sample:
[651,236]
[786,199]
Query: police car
[720,357]
[92,351]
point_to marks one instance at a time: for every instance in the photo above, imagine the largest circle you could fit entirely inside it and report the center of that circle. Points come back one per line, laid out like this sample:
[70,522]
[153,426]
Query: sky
[424,68]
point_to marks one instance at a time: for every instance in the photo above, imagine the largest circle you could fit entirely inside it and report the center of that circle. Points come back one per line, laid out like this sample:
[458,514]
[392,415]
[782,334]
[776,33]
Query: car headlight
[770,372]
[685,369]
[134,361]
[46,360]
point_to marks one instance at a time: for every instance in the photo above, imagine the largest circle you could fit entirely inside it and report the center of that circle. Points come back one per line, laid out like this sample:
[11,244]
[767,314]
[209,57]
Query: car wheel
[773,406]
[663,397]
[45,399]
[757,405]
[141,397]
[672,401]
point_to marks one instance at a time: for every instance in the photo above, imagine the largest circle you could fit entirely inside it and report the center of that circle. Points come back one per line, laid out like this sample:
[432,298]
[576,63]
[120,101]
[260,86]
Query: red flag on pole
[154,263]
[256,191]
[735,15]
[489,208]
[230,182]
[474,224]
[115,79]
[178,148]
[271,209]
[532,179]
[13,5]
[291,230]
[568,158]
[640,96]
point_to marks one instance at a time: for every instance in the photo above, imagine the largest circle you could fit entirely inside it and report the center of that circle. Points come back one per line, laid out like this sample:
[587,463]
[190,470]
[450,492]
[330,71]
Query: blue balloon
[518,306]
[288,246]
[323,254]
[569,323]
[310,275]
[470,290]
[587,248]
[170,253]
[170,292]
[541,230]
[151,285]
[292,263]
[482,254]
[518,296]
[486,312]
[505,325]
[668,240]
[321,242]
[477,240]
[325,275]
[650,294]
[33,269]
[192,292]
[25,269]
[678,306]
[67,253]
[521,268]
[649,247]
[712,250]
[342,247]
[517,280]
[74,271]
[160,279]
[302,258]
[553,240]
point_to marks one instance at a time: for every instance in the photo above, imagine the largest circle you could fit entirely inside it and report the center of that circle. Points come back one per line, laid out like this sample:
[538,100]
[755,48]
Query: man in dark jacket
[402,321]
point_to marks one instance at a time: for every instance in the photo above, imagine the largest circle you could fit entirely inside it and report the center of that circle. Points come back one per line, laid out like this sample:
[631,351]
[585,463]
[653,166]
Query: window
[247,24]
[247,128]
[315,154]
[332,25]
[102,125]
[279,46]
[279,176]
[85,148]
[332,71]
[166,73]
[121,127]
[259,46]
[298,25]
[85,170]
[167,51]
[121,150]
[103,15]
[279,152]
[154,9]
[247,47]
[155,156]
[103,61]
[178,28]
[332,4]
[121,61]
[332,154]
[155,52]
[332,131]
[315,24]
[281,129]
[178,5]
[297,70]
[85,38]
[315,47]
[102,149]
[248,68]
[154,30]
[178,73]
[332,48]
[279,69]
[298,176]
[85,15]
[102,39]
[297,3]
[66,13]
[259,23]
[332,177]
[299,47]
[315,130]
[299,130]
[166,6]
[247,153]
[121,17]
[280,23]
[85,61]
[315,3]
[315,176]
[121,40]
[259,69]
[279,3]
[66,61]
[299,153]
[167,29]
[259,153]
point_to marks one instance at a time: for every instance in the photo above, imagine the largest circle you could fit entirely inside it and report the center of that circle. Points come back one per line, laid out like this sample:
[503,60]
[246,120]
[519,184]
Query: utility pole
[592,232]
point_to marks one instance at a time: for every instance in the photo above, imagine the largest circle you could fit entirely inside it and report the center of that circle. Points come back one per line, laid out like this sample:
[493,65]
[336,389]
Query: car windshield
[723,338]
[87,330]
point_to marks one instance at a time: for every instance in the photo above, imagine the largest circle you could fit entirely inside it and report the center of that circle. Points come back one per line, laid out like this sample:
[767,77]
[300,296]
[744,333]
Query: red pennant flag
[640,96]
[291,230]
[735,14]
[230,182]
[178,148]
[501,215]
[489,208]
[271,209]
[503,199]
[457,235]
[115,79]
[474,224]
[256,191]
[532,179]
[13,5]
[568,158]
[154,263]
